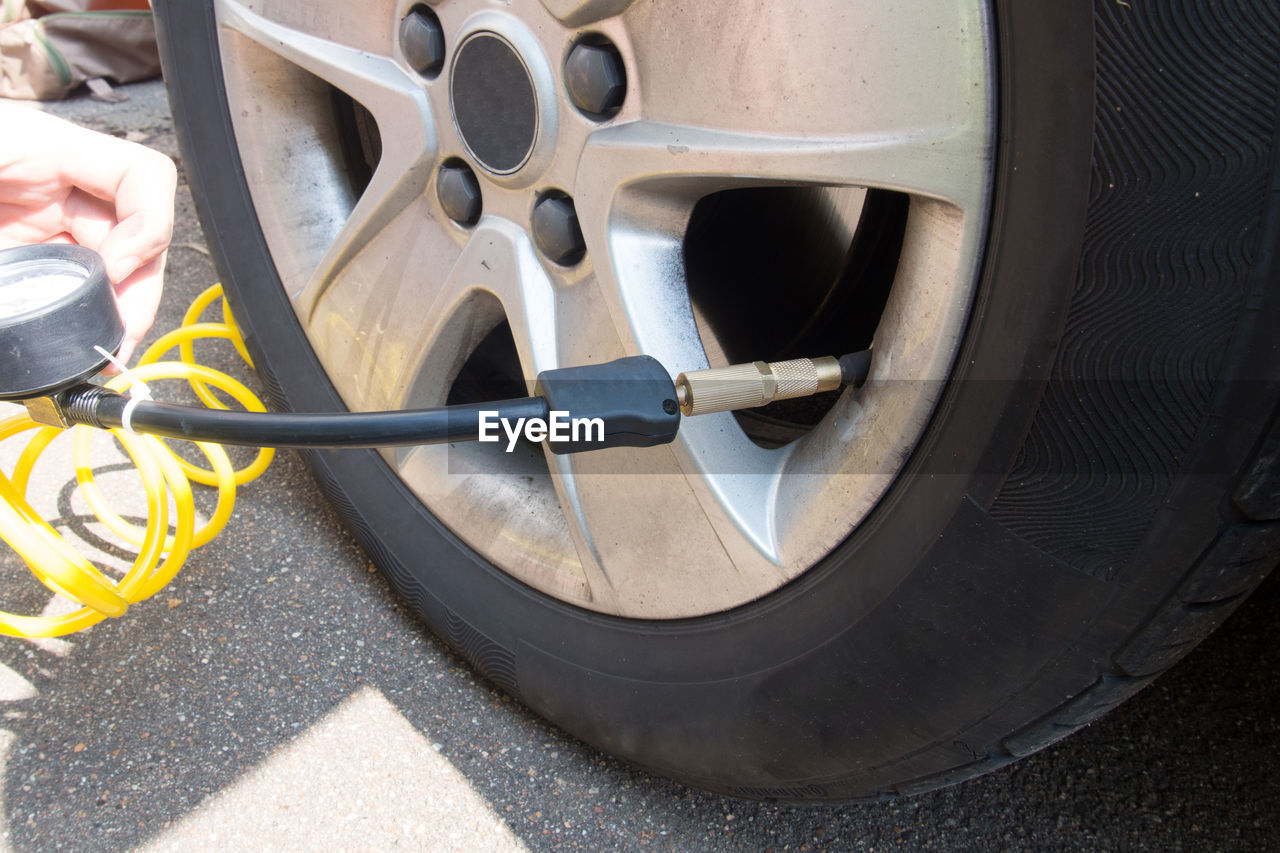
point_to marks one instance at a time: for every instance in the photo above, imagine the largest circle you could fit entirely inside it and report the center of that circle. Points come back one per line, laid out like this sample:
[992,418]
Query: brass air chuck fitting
[746,386]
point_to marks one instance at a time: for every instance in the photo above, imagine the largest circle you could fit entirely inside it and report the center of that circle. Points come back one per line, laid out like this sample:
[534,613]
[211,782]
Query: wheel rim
[396,295]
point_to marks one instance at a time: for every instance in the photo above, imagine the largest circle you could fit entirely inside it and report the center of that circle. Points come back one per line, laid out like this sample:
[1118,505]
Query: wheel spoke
[653,540]
[391,315]
[681,161]
[420,307]
[638,183]
[368,77]
[502,259]
[732,479]
[393,99]
[713,491]
[720,545]
[823,69]
[887,95]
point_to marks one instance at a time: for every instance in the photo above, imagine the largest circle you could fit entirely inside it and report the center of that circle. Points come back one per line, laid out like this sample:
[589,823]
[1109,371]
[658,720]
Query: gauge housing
[57,308]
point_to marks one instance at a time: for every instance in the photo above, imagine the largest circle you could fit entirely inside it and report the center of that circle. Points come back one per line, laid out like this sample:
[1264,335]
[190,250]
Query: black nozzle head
[634,397]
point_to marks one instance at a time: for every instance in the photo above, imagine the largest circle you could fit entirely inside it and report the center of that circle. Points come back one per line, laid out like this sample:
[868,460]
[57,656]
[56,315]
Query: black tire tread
[1173,630]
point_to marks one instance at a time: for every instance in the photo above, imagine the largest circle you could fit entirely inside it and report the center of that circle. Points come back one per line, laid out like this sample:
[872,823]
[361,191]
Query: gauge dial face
[26,286]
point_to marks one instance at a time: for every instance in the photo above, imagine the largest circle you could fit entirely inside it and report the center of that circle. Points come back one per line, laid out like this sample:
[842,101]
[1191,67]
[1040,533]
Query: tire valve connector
[57,337]
[746,386]
[629,402]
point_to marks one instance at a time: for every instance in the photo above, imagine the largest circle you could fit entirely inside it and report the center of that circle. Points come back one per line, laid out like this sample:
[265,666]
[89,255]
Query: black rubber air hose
[91,405]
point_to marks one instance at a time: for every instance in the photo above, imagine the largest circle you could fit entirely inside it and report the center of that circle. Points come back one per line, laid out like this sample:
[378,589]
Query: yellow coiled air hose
[164,543]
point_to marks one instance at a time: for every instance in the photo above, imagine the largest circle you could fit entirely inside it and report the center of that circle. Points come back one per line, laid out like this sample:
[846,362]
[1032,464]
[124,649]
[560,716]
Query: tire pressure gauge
[56,306]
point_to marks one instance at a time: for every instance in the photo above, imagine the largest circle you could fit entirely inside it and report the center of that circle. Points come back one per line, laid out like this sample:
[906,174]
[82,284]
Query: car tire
[1098,488]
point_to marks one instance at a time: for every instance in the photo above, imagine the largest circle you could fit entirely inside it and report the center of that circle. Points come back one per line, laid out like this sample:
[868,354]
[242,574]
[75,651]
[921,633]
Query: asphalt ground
[279,696]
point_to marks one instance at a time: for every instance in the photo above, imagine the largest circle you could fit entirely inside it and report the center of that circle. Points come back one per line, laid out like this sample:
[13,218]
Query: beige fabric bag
[49,47]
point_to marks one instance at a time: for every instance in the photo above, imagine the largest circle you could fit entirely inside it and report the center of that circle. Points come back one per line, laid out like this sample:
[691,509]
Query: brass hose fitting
[745,386]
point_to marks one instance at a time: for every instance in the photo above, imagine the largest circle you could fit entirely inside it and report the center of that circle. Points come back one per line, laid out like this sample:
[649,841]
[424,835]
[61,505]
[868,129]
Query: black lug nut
[422,40]
[459,192]
[556,230]
[595,78]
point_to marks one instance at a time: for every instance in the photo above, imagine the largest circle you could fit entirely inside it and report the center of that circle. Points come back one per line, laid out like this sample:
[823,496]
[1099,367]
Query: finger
[138,182]
[138,299]
[88,220]
[144,213]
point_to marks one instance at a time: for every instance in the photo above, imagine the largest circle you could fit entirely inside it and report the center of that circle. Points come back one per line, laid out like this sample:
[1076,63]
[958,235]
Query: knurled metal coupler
[745,386]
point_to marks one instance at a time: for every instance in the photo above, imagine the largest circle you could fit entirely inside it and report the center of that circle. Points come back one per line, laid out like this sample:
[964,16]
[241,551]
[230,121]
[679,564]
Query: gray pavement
[279,696]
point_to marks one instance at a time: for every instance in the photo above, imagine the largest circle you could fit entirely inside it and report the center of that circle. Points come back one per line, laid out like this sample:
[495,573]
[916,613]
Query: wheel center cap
[494,105]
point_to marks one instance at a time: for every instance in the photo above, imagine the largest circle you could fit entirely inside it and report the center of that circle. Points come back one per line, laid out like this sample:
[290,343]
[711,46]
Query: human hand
[64,183]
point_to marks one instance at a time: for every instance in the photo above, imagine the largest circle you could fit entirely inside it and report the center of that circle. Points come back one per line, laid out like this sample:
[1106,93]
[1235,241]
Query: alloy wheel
[461,195]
